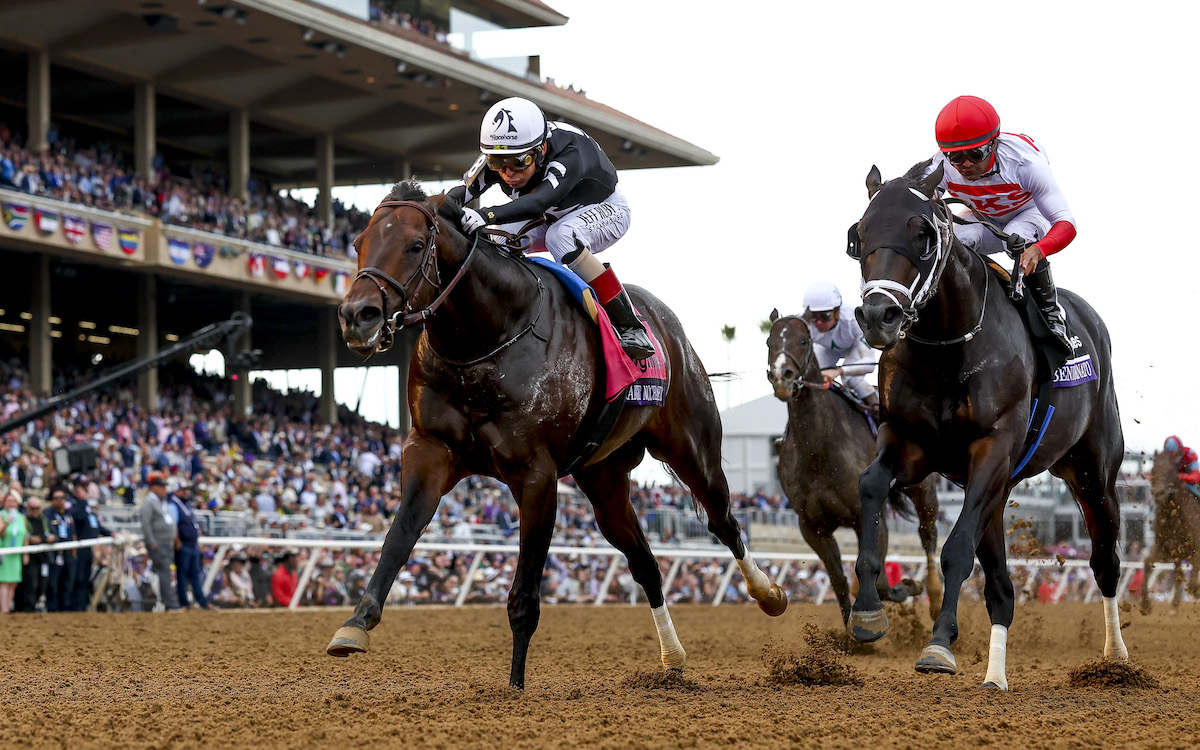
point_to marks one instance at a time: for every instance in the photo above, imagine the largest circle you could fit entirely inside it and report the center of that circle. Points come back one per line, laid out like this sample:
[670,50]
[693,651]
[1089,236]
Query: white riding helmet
[821,296]
[512,125]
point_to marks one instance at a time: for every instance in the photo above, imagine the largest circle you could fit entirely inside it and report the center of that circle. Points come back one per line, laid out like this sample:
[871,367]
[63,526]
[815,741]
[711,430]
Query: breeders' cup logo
[504,118]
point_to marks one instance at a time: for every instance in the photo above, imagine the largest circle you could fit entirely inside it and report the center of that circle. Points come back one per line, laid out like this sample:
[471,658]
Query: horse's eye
[417,246]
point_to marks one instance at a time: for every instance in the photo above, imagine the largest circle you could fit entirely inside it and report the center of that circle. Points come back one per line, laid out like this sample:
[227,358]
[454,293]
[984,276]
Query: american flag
[102,236]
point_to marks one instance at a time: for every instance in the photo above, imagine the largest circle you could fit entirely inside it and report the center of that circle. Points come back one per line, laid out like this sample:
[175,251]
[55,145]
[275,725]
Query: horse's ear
[929,185]
[448,207]
[774,314]
[874,181]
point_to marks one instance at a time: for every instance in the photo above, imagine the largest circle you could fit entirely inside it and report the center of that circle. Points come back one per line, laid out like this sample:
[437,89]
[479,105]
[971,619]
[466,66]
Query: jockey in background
[1007,178]
[1189,465]
[556,172]
[837,338]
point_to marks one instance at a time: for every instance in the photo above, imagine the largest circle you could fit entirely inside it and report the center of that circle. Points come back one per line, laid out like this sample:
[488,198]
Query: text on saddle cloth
[646,380]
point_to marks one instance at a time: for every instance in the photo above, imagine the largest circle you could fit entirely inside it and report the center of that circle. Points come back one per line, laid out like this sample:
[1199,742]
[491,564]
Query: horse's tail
[903,504]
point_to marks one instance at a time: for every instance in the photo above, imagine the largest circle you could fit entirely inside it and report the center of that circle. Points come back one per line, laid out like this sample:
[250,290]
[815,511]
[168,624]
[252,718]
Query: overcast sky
[800,99]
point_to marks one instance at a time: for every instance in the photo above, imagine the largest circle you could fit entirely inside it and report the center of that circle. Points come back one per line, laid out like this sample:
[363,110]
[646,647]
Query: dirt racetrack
[437,677]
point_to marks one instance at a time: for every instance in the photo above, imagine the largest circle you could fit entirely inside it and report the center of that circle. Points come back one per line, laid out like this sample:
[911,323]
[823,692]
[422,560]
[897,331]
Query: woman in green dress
[12,534]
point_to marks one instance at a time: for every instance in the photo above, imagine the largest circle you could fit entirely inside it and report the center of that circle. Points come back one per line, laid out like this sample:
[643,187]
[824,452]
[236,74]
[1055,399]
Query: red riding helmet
[966,122]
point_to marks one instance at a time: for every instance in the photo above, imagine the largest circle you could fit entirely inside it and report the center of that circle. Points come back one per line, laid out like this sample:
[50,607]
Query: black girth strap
[592,434]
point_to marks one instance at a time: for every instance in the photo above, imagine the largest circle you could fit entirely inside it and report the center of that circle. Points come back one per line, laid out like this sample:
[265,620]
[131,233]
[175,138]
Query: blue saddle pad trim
[569,279]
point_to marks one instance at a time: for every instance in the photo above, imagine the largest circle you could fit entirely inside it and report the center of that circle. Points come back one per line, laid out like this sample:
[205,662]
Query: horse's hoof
[868,627]
[674,660]
[990,685]
[916,587]
[776,602]
[348,640]
[936,660]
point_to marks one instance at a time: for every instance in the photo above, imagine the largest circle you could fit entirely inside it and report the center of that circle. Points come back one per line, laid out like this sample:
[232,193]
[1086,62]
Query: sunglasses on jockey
[973,155]
[515,162]
[823,316]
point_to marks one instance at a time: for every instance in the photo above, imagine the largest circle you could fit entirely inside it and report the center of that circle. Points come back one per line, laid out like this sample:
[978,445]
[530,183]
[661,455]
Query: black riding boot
[1041,286]
[629,329]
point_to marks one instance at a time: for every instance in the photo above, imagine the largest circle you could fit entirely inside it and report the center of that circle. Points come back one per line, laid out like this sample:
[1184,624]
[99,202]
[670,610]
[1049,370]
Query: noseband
[426,275]
[801,367]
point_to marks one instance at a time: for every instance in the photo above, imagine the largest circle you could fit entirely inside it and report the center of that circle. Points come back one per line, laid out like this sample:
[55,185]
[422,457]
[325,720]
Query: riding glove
[471,220]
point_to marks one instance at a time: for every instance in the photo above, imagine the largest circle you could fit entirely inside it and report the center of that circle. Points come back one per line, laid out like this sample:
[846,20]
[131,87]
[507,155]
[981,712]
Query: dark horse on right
[958,379]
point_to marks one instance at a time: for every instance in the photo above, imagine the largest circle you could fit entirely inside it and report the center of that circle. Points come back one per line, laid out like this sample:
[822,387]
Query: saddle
[859,405]
[1049,350]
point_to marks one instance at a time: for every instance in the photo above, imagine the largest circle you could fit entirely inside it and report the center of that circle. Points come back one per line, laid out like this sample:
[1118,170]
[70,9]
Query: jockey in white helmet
[836,338]
[556,172]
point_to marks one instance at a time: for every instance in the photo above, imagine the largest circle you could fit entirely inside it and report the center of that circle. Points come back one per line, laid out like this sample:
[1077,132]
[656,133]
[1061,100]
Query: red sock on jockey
[606,285]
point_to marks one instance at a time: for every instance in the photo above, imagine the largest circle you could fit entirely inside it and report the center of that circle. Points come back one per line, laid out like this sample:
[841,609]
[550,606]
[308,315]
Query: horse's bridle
[801,367]
[426,274]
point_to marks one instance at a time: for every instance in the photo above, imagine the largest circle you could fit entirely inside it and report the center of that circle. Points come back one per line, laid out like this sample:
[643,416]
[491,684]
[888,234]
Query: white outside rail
[677,554]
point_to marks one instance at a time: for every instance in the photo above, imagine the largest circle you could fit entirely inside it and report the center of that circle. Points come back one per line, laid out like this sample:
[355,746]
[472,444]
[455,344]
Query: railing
[783,563]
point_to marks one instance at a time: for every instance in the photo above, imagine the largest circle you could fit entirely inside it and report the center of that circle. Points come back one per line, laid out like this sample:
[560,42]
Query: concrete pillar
[401,168]
[147,340]
[145,136]
[40,344]
[405,344]
[325,178]
[243,404]
[39,100]
[327,350]
[239,153]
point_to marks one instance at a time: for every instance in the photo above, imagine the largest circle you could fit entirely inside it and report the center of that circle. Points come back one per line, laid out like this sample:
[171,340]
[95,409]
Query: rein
[405,315]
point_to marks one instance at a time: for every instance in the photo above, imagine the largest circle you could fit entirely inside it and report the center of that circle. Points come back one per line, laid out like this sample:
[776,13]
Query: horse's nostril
[891,316]
[788,374]
[369,315]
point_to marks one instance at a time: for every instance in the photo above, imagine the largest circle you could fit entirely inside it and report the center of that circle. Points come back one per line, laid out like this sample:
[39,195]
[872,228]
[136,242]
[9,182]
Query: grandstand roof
[300,69]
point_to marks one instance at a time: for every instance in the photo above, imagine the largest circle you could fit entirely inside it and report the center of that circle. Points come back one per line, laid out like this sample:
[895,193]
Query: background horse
[957,381]
[827,445]
[1176,528]
[504,383]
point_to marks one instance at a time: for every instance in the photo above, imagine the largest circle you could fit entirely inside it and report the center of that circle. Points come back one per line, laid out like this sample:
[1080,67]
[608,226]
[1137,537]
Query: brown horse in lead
[504,383]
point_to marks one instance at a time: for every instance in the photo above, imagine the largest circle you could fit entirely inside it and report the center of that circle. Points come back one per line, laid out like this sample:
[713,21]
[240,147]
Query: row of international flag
[76,229]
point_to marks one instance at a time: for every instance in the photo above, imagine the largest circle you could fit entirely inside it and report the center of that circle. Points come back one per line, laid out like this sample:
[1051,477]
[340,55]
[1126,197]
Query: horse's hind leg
[1091,473]
[999,596]
[924,496]
[1147,570]
[426,468]
[697,461]
[607,486]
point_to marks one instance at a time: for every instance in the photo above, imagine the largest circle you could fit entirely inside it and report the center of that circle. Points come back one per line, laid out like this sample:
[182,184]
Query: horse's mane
[918,169]
[408,190]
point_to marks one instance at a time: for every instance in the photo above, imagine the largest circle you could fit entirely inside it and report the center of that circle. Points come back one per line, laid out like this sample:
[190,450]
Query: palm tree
[728,333]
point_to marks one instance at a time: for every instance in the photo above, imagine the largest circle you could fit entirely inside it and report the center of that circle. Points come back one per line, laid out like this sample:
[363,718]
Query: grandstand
[146,144]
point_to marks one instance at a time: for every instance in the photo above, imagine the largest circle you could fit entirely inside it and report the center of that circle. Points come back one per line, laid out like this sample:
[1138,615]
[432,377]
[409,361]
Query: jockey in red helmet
[555,171]
[1189,465]
[1007,178]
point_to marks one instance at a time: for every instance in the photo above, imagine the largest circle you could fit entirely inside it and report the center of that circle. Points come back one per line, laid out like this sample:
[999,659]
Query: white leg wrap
[997,655]
[673,655]
[757,582]
[1114,645]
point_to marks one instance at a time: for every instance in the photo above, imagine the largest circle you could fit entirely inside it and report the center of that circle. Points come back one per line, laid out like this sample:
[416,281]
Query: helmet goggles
[973,155]
[515,162]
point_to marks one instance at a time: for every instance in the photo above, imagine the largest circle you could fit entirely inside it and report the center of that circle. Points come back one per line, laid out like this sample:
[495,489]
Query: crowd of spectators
[286,475]
[98,176]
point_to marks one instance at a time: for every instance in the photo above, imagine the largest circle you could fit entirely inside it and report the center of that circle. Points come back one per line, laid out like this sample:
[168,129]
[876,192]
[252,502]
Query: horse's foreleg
[538,499]
[426,472]
[988,472]
[999,596]
[826,547]
[867,620]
